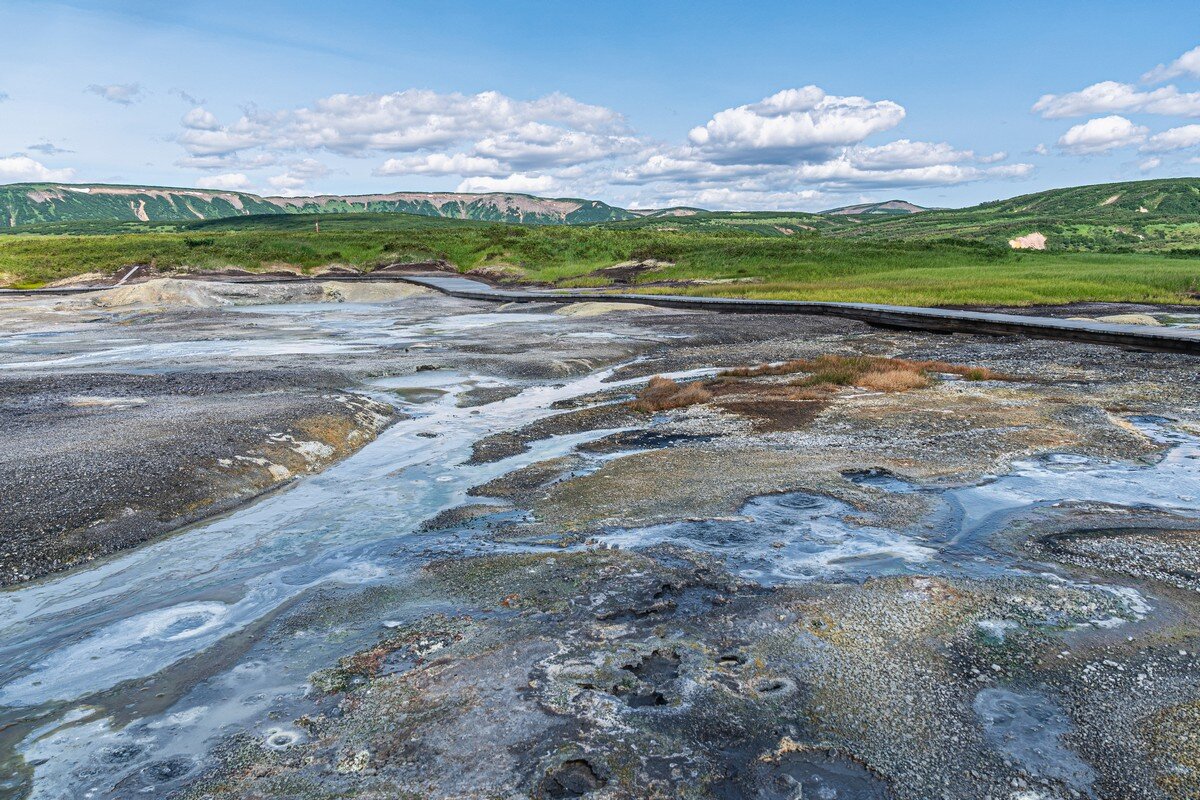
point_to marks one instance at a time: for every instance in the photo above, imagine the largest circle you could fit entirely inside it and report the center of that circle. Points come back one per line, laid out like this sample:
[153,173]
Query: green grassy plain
[726,260]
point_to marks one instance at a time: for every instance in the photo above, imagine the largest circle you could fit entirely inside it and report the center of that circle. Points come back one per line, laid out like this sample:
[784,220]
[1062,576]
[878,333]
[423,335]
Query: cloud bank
[790,147]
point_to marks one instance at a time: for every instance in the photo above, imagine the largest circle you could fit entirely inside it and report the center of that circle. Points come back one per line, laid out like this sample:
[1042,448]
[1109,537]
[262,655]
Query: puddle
[1029,729]
[790,537]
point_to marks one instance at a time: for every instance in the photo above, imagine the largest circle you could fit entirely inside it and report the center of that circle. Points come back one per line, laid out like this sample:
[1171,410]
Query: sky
[763,105]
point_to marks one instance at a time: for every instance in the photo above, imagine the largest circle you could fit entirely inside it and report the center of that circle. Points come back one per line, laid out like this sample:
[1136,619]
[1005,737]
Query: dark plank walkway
[1139,337]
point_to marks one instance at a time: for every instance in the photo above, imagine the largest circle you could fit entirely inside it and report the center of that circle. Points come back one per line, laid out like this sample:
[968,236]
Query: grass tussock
[826,373]
[662,394]
[726,387]
[893,380]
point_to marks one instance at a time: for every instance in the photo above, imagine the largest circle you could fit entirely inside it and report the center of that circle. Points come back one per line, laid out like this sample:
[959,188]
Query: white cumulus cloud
[535,145]
[415,119]
[298,175]
[1181,138]
[793,125]
[1111,96]
[492,133]
[17,169]
[897,164]
[843,173]
[1101,135]
[734,199]
[442,164]
[1187,64]
[229,180]
[513,183]
[204,136]
[904,154]
[201,119]
[790,148]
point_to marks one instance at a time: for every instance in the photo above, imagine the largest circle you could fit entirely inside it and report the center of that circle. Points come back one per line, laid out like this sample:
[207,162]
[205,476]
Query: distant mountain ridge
[31,203]
[1118,205]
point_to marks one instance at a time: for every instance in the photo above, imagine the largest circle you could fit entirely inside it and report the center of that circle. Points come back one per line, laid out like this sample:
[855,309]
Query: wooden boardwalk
[1138,337]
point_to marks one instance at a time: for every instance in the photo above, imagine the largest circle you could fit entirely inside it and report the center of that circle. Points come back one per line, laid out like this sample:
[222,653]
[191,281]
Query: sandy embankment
[172,292]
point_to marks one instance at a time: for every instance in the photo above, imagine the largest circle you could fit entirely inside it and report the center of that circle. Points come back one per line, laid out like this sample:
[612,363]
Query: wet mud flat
[975,583]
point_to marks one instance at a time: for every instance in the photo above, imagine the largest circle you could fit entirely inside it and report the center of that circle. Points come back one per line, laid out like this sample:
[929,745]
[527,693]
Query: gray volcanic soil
[1050,652]
[96,463]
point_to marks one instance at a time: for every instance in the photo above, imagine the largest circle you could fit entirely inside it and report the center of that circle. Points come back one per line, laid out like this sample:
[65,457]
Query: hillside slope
[759,223]
[33,203]
[1165,196]
[1155,215]
[888,207]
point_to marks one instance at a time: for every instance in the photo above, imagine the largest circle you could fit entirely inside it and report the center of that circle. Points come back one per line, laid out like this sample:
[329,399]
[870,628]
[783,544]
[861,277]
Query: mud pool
[132,675]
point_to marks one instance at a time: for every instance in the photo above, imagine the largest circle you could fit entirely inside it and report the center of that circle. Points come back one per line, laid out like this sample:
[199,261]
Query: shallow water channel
[117,679]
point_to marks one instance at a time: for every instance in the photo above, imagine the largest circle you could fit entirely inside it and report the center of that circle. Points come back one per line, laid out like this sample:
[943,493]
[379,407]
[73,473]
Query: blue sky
[722,105]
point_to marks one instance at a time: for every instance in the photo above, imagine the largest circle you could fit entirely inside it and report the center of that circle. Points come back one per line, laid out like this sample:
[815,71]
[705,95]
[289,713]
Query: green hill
[1167,196]
[1136,216]
[763,223]
[24,204]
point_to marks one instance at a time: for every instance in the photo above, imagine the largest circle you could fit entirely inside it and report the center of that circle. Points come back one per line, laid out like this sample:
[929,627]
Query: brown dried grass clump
[968,372]
[726,387]
[782,368]
[662,394]
[826,373]
[893,380]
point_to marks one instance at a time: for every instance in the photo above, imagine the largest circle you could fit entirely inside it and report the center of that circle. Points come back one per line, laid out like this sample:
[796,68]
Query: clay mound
[176,293]
[1124,319]
[369,292]
[172,292]
[595,309]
